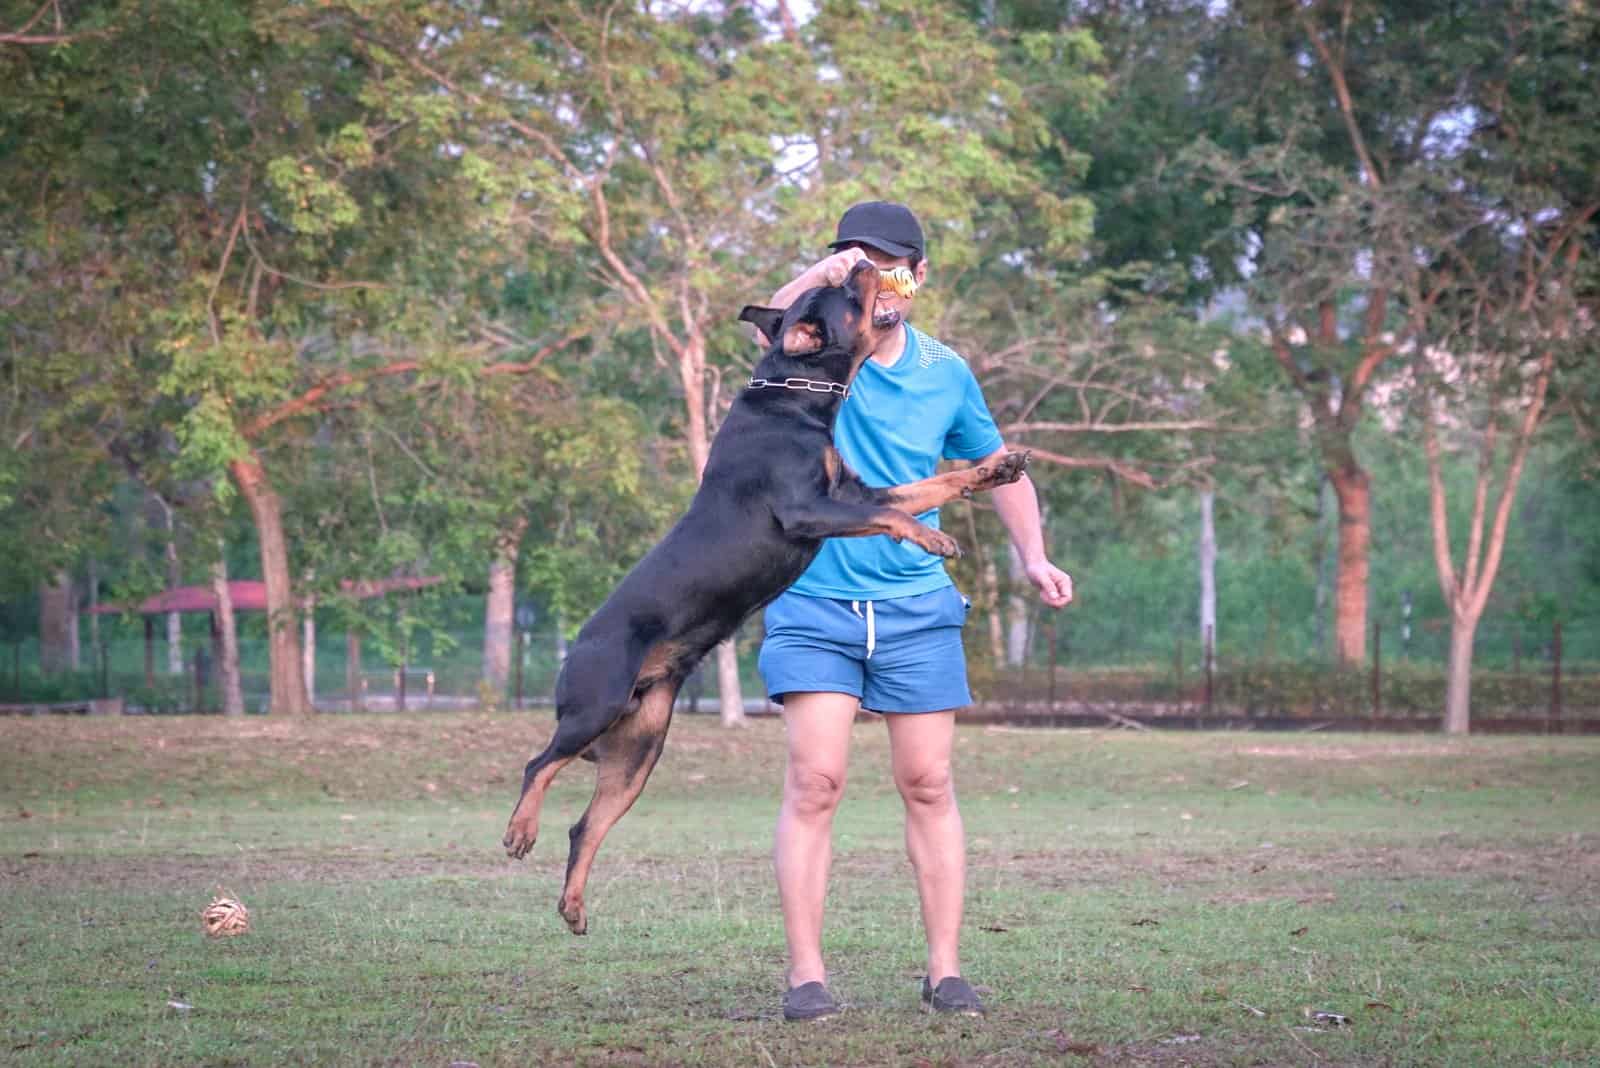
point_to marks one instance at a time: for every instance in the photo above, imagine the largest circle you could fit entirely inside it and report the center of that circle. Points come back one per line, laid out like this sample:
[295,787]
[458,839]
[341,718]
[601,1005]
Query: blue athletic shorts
[903,654]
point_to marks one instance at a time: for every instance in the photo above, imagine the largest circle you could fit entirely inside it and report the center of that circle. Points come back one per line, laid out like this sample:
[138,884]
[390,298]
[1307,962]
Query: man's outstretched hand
[1054,584]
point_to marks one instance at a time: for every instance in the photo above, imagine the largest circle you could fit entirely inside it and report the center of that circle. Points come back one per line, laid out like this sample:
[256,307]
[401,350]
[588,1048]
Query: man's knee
[931,786]
[812,792]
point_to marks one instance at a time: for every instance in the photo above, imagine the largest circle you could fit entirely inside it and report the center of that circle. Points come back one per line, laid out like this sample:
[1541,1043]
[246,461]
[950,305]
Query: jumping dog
[773,488]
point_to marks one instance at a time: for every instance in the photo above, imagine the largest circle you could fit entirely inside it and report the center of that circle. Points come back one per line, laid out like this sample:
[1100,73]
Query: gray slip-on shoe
[953,994]
[808,1001]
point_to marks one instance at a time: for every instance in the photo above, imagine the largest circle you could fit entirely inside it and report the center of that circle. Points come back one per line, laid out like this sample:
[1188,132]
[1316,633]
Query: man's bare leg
[818,730]
[920,749]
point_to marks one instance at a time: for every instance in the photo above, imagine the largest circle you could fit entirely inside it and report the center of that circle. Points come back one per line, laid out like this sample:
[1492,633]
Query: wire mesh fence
[1521,668]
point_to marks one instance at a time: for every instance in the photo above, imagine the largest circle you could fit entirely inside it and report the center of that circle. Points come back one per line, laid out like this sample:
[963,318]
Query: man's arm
[1018,506]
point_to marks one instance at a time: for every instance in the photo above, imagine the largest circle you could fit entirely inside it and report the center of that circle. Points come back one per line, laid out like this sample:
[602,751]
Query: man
[876,624]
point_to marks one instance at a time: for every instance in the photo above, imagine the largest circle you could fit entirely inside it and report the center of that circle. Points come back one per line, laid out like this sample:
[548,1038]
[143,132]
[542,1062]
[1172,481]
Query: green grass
[1158,898]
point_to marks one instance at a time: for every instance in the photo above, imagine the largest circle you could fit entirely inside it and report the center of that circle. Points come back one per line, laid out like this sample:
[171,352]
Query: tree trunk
[499,611]
[1458,683]
[730,697]
[352,668]
[228,660]
[74,646]
[174,580]
[96,655]
[1016,610]
[1208,572]
[1352,488]
[308,647]
[288,684]
[1325,554]
[55,638]
[987,597]
[1466,591]
[692,373]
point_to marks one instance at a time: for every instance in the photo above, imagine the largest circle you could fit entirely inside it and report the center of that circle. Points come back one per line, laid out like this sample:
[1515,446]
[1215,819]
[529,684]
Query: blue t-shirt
[894,428]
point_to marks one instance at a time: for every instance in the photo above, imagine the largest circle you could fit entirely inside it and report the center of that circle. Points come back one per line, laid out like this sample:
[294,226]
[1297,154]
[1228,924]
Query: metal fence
[1521,667]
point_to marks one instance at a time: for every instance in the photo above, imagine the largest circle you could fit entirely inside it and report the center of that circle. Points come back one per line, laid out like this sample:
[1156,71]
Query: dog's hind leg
[523,830]
[592,693]
[625,754]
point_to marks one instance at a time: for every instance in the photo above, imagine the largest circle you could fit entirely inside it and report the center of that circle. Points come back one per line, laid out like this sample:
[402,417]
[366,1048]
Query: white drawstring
[872,626]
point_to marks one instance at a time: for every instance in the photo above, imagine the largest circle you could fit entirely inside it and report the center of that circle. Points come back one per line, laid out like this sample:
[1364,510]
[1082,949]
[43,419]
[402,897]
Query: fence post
[199,677]
[1023,685]
[352,669]
[149,652]
[1210,654]
[522,654]
[1555,674]
[1052,635]
[1377,668]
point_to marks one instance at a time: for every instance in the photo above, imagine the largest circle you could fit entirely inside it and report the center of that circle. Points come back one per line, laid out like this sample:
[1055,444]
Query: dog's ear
[802,339]
[767,320]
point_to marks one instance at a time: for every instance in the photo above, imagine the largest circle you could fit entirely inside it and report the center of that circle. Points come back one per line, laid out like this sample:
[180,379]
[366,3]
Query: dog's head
[830,329]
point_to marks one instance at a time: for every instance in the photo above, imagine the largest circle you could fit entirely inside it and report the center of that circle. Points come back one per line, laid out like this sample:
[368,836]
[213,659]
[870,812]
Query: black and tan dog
[774,487]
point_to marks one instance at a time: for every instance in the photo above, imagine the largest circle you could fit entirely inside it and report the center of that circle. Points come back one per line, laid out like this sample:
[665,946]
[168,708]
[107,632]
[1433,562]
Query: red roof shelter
[247,595]
[250,595]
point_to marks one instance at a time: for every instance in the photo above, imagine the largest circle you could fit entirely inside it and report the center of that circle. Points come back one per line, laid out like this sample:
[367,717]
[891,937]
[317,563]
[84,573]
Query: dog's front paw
[1005,470]
[938,542]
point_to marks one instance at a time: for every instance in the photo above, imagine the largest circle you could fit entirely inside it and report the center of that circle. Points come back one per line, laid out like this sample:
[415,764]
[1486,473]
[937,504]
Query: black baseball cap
[883,225]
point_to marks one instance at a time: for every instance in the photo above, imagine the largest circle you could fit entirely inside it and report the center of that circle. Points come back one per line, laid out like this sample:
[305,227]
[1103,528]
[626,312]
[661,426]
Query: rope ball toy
[900,279]
[225,917]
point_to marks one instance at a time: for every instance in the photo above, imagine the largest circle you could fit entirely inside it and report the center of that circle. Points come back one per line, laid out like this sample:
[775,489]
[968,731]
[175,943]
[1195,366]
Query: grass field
[1134,898]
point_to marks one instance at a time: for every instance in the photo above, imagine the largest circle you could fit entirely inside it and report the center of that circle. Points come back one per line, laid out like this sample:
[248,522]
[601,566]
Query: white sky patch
[1245,263]
[793,156]
[433,38]
[1450,132]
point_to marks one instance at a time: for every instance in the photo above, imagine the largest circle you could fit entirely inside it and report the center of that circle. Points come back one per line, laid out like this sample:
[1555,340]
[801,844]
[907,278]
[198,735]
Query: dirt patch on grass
[1569,870]
[351,757]
[469,754]
[1396,748]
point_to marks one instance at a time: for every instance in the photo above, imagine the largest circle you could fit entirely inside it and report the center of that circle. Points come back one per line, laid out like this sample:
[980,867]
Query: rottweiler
[773,488]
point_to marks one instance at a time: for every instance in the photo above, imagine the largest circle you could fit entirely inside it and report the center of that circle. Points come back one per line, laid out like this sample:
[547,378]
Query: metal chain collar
[807,384]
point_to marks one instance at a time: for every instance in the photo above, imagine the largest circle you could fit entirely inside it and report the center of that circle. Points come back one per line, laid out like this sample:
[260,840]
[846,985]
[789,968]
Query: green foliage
[451,272]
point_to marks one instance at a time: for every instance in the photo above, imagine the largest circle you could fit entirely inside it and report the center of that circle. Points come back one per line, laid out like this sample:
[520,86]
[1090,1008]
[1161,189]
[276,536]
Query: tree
[271,269]
[1509,238]
[1338,100]
[1099,363]
[671,148]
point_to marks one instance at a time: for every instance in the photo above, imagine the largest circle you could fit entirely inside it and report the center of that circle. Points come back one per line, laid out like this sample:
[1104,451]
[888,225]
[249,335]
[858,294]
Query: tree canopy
[387,288]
